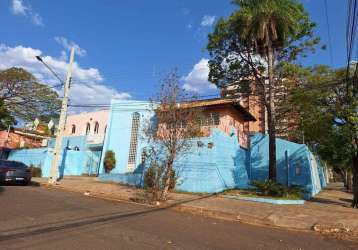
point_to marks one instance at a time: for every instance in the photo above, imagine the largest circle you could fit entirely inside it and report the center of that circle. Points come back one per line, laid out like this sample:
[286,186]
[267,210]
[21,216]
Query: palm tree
[267,27]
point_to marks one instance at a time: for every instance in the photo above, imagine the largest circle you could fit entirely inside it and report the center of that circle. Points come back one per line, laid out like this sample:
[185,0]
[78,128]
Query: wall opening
[73,130]
[96,128]
[88,128]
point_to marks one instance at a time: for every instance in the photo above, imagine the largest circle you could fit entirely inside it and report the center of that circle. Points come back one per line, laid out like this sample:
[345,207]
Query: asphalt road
[37,218]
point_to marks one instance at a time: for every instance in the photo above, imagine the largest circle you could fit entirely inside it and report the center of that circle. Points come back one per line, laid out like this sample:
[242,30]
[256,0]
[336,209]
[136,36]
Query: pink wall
[230,119]
[13,140]
[81,120]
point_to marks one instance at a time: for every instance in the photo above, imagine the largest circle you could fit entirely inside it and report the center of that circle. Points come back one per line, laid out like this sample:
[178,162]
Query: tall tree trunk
[349,181]
[344,174]
[355,181]
[167,180]
[271,116]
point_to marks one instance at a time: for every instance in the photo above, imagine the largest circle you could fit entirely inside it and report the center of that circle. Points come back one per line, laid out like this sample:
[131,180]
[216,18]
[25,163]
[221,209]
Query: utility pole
[58,145]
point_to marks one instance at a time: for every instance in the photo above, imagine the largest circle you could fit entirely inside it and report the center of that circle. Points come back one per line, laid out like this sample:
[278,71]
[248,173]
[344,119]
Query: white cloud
[197,79]
[36,19]
[19,8]
[87,87]
[67,45]
[207,20]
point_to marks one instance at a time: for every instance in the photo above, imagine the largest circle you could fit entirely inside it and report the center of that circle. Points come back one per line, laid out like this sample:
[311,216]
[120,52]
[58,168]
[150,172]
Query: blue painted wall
[118,133]
[203,170]
[215,169]
[72,162]
[298,168]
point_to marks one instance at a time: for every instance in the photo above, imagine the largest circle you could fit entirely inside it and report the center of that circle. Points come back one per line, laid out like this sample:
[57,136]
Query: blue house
[81,146]
[225,157]
[78,157]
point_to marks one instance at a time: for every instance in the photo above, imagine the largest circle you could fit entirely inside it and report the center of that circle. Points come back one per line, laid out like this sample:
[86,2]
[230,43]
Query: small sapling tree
[109,161]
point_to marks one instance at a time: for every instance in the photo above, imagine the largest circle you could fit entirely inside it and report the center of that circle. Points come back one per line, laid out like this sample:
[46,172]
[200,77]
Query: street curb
[93,195]
[268,221]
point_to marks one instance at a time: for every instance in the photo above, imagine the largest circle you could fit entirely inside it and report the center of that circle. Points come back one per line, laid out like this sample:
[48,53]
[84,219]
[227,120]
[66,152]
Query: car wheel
[25,183]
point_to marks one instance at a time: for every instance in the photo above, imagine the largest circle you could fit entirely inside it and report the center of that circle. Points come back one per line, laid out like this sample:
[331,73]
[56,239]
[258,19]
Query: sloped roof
[216,102]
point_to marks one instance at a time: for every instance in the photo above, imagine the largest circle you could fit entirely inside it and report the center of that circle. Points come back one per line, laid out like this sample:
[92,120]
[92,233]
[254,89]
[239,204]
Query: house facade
[93,125]
[225,156]
[81,146]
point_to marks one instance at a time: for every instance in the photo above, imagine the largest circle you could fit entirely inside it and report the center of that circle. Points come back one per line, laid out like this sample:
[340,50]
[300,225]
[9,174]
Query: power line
[103,105]
[50,69]
[328,32]
[351,28]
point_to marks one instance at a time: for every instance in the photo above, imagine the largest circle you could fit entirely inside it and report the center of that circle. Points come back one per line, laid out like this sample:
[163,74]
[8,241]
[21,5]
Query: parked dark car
[16,172]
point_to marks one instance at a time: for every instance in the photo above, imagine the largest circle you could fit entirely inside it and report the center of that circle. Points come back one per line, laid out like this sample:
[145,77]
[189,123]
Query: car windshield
[11,164]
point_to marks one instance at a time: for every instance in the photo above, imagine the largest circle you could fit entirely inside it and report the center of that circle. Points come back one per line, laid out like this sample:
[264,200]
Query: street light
[339,121]
[39,58]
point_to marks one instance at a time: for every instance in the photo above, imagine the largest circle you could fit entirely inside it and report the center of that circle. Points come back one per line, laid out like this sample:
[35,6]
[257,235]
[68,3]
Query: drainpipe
[287,168]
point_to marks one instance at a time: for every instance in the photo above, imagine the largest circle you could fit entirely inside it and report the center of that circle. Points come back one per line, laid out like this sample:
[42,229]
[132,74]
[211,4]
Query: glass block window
[133,144]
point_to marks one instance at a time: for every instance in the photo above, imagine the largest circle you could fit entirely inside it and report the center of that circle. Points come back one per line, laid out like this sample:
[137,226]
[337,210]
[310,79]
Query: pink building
[224,114]
[91,124]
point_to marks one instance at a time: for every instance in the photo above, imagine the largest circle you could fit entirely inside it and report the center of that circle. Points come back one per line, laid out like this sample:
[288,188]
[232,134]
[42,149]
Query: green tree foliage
[25,97]
[253,44]
[109,161]
[6,119]
[320,98]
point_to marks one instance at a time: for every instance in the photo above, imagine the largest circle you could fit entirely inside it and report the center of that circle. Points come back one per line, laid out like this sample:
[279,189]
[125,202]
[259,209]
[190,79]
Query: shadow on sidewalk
[343,202]
[70,224]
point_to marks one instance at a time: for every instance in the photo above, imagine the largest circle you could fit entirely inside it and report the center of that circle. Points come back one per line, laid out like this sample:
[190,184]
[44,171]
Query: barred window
[211,119]
[214,119]
[133,141]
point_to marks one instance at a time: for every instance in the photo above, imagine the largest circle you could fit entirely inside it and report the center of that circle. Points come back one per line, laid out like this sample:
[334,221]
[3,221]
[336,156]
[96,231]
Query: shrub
[109,161]
[150,177]
[154,181]
[36,171]
[275,189]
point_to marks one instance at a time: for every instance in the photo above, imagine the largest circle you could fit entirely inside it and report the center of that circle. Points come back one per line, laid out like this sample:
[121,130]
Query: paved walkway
[328,212]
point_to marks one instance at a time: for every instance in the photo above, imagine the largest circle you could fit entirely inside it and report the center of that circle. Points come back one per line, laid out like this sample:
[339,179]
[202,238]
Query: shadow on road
[48,228]
[31,184]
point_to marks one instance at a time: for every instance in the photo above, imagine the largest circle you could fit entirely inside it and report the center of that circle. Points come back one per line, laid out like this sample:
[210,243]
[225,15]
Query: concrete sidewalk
[329,212]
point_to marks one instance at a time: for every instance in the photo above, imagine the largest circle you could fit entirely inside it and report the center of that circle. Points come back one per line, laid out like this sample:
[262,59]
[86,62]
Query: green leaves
[109,161]
[319,100]
[25,97]
[6,119]
[248,32]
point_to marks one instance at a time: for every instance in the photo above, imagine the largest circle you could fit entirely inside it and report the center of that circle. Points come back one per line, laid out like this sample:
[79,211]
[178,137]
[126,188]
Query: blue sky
[125,47]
